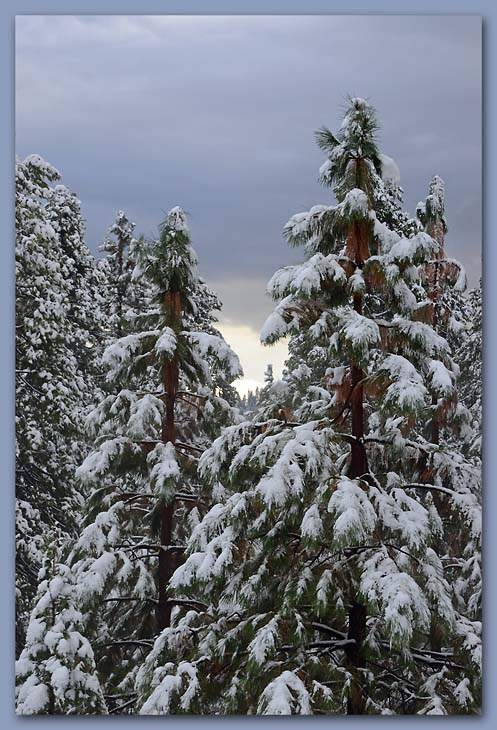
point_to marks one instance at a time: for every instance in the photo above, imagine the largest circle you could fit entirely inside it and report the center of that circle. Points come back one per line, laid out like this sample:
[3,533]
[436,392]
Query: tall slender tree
[57,313]
[444,279]
[163,410]
[121,251]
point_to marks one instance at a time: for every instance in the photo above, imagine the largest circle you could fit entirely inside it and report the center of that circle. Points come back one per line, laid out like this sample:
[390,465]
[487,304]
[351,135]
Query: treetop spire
[353,154]
[170,262]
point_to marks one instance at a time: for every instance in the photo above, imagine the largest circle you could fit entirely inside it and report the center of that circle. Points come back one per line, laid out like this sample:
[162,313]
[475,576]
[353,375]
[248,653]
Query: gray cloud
[217,114]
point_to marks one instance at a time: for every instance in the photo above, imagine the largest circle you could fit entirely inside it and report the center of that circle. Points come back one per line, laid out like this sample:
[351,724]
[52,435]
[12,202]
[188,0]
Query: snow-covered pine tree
[56,672]
[55,285]
[86,311]
[250,402]
[320,569]
[273,399]
[444,280]
[148,436]
[121,251]
[308,361]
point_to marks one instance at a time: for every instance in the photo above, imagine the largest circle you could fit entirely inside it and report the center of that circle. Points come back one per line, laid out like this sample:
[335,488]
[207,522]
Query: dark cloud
[217,114]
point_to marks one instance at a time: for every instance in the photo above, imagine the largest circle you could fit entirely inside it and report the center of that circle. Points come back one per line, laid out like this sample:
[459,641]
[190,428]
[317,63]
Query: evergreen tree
[268,376]
[56,314]
[148,437]
[121,252]
[56,671]
[272,400]
[250,402]
[305,375]
[444,280]
[326,563]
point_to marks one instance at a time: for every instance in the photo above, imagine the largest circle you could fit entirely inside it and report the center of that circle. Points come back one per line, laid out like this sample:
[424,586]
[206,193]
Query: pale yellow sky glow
[253,355]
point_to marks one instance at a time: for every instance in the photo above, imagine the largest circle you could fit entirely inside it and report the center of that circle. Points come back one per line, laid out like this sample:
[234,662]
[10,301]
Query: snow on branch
[285,695]
[306,279]
[396,596]
[214,345]
[118,356]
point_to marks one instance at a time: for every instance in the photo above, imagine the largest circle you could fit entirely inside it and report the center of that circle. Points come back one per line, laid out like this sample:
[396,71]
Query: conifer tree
[56,671]
[308,361]
[444,280]
[163,410]
[321,568]
[56,315]
[273,399]
[268,376]
[121,252]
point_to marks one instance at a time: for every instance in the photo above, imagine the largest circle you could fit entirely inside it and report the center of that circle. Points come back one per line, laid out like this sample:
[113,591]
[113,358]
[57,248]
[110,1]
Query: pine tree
[305,375]
[273,399]
[326,562]
[123,295]
[163,410]
[56,671]
[56,312]
[268,376]
[444,280]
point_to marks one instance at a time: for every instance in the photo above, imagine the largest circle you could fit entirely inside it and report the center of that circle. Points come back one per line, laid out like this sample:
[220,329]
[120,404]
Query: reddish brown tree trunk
[170,382]
[358,462]
[435,230]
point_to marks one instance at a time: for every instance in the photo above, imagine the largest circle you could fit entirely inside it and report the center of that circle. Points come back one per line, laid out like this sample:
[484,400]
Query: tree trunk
[435,230]
[358,462]
[170,382]
[357,630]
[358,250]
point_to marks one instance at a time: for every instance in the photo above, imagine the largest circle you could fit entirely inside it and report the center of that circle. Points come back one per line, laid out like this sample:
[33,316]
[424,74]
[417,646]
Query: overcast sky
[217,114]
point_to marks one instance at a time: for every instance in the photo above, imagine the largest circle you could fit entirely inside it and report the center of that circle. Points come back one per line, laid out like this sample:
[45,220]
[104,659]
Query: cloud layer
[217,114]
